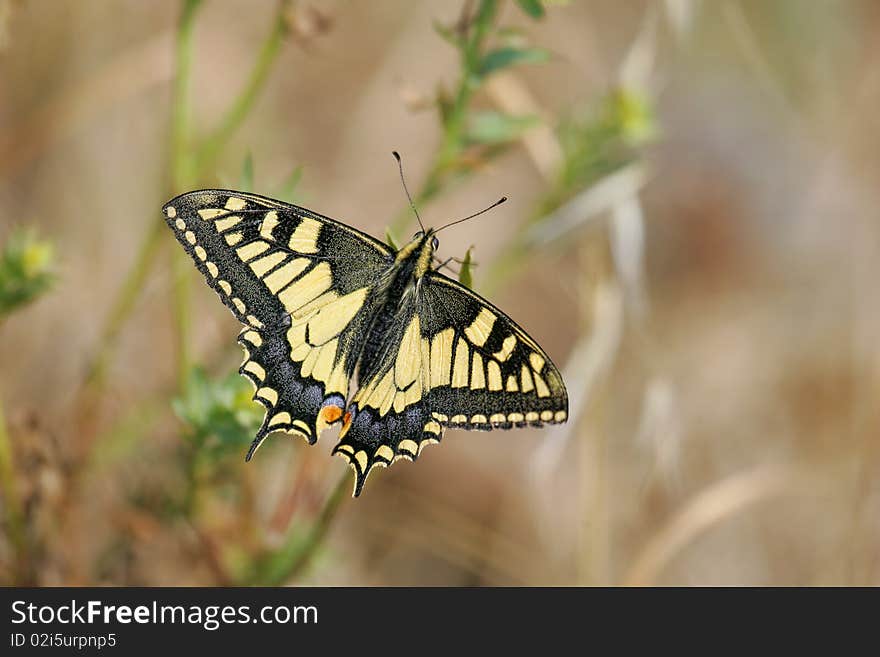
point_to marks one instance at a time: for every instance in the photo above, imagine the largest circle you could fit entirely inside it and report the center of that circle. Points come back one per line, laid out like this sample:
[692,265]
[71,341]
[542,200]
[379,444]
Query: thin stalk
[183,173]
[207,154]
[452,141]
[295,556]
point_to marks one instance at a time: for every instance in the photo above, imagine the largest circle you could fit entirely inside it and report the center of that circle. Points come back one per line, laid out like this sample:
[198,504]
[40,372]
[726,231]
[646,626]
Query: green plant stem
[186,169]
[183,174]
[12,503]
[296,554]
[452,142]
[124,304]
[213,144]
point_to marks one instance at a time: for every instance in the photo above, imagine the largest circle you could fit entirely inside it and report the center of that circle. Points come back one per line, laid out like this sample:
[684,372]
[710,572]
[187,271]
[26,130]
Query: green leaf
[220,414]
[497,128]
[288,188]
[503,57]
[247,173]
[26,270]
[389,239]
[464,274]
[533,8]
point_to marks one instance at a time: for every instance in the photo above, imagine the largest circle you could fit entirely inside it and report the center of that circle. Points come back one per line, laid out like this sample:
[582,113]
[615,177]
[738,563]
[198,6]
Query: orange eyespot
[330,414]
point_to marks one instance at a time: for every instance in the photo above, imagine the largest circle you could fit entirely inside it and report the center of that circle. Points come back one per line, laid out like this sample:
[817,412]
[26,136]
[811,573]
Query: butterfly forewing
[301,284]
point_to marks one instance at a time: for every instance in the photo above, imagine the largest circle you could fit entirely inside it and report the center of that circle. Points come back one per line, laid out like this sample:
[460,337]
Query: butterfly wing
[300,283]
[453,360]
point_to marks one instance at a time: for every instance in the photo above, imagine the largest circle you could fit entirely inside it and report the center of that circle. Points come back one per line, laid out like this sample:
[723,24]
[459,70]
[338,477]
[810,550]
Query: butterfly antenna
[403,180]
[475,214]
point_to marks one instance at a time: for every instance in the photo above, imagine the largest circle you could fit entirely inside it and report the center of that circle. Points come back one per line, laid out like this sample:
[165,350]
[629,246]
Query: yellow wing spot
[409,446]
[251,250]
[385,452]
[253,337]
[537,362]
[180,223]
[460,367]
[479,419]
[511,384]
[232,238]
[498,417]
[308,287]
[305,237]
[361,458]
[239,305]
[305,428]
[235,203]
[333,317]
[190,237]
[268,225]
[256,369]
[280,418]
[348,449]
[253,321]
[282,276]
[507,348]
[560,416]
[478,332]
[546,415]
[170,212]
[226,223]
[494,372]
[478,376]
[515,417]
[212,269]
[268,394]
[413,394]
[531,416]
[433,427]
[458,419]
[225,286]
[541,387]
[210,213]
[407,364]
[324,366]
[440,417]
[388,400]
[526,376]
[201,254]
[264,264]
[426,442]
[441,358]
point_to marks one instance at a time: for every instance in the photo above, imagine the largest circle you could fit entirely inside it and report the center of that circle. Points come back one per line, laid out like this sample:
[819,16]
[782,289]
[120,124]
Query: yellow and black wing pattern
[452,360]
[300,283]
[322,302]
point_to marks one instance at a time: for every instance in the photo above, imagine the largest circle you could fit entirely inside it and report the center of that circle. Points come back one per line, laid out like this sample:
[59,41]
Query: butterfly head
[419,251]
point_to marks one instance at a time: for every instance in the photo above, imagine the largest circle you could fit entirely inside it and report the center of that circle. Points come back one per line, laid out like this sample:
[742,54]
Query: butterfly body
[322,302]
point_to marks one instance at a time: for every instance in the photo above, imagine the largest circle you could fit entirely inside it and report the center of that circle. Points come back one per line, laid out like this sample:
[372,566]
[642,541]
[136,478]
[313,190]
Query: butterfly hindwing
[452,360]
[300,283]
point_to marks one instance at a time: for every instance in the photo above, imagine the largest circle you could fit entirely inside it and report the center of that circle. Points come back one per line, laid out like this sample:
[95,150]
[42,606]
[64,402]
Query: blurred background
[692,235]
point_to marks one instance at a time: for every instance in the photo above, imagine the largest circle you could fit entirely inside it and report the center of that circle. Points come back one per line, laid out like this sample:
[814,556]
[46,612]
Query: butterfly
[323,303]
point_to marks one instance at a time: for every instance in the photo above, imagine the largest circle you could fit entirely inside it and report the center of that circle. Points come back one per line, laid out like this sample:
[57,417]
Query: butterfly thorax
[410,264]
